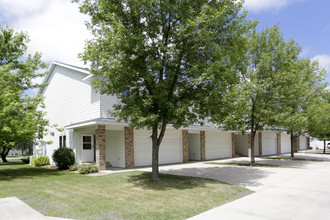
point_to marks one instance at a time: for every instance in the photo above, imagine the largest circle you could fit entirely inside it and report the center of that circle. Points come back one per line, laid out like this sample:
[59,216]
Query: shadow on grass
[10,171]
[242,176]
[167,181]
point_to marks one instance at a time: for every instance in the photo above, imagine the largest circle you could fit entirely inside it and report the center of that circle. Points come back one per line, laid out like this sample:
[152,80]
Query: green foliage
[40,161]
[74,167]
[319,119]
[87,168]
[63,157]
[163,59]
[84,168]
[20,119]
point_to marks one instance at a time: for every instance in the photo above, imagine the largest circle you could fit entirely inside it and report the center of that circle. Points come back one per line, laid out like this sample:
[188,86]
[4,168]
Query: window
[87,142]
[62,141]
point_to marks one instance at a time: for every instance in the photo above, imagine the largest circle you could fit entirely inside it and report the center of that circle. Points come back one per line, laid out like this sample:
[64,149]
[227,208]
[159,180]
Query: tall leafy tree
[161,58]
[21,119]
[254,99]
[298,89]
[319,120]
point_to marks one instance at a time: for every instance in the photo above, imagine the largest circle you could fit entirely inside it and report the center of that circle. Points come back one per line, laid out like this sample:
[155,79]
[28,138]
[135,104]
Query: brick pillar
[202,134]
[249,145]
[260,143]
[100,147]
[279,146]
[233,145]
[185,146]
[295,143]
[308,144]
[129,147]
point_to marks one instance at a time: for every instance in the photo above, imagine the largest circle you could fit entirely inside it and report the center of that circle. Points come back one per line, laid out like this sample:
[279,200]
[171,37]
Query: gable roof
[65,65]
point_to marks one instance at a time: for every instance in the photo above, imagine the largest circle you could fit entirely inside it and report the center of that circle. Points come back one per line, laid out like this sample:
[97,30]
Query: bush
[40,161]
[88,168]
[63,157]
[74,167]
[26,160]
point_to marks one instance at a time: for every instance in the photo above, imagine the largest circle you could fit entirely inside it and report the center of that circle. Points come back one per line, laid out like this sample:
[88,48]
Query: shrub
[88,168]
[63,157]
[74,167]
[26,160]
[40,161]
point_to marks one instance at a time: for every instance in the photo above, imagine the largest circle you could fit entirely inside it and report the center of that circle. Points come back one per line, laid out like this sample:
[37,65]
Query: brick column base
[129,147]
[185,146]
[100,147]
[202,134]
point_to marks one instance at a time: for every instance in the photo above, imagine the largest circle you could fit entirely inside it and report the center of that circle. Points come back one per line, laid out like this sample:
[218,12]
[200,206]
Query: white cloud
[324,61]
[267,5]
[56,27]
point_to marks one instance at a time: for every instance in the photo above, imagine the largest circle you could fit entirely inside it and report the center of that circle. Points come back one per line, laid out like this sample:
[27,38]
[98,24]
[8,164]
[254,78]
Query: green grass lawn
[128,195]
[17,156]
[250,165]
[327,151]
[288,158]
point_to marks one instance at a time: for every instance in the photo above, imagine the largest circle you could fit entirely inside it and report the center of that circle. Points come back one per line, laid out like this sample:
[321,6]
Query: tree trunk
[253,135]
[4,154]
[324,147]
[292,148]
[155,155]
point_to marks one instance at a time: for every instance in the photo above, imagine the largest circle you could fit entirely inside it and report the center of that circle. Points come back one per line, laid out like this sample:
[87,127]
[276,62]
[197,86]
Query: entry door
[87,146]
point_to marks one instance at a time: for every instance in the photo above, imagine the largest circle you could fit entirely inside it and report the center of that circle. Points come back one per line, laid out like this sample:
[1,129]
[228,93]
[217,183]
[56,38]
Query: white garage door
[285,143]
[169,152]
[217,145]
[302,140]
[269,143]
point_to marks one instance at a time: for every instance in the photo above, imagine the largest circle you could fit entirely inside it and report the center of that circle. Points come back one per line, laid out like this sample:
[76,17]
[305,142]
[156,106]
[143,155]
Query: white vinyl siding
[217,145]
[285,143]
[269,143]
[107,103]
[170,150]
[302,142]
[68,99]
[115,148]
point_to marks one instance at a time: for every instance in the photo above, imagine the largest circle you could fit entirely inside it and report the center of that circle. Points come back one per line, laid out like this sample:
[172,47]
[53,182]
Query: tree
[160,58]
[319,120]
[20,119]
[298,90]
[254,99]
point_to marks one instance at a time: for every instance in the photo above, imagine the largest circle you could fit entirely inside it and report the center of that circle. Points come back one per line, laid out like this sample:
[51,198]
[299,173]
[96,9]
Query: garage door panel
[217,145]
[170,150]
[269,143]
[302,140]
[285,143]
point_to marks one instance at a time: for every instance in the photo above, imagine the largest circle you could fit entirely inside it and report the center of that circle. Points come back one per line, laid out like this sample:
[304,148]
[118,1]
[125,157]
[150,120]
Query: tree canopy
[162,59]
[21,119]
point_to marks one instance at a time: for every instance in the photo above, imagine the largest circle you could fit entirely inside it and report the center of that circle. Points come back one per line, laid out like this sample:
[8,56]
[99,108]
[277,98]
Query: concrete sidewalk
[281,193]
[11,208]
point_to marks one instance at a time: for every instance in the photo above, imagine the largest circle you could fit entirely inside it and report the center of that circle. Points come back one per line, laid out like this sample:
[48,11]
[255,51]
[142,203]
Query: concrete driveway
[280,193]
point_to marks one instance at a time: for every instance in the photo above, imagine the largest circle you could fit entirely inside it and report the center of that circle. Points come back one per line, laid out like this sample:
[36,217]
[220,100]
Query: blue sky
[57,29]
[306,21]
